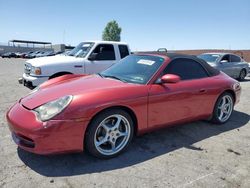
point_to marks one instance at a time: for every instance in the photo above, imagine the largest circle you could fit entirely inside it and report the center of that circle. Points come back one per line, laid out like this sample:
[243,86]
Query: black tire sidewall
[90,132]
[242,72]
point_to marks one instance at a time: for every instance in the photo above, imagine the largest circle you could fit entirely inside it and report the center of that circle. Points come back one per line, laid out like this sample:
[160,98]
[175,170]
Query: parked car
[230,64]
[86,58]
[102,112]
[45,53]
[9,55]
[58,52]
[22,54]
[18,54]
[26,54]
[248,69]
[40,54]
[66,52]
[32,55]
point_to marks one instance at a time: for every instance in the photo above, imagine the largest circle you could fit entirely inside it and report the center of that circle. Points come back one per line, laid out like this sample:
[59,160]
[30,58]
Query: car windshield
[134,69]
[211,58]
[81,49]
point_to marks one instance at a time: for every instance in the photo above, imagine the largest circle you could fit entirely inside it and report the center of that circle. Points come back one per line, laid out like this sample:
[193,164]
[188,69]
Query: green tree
[112,32]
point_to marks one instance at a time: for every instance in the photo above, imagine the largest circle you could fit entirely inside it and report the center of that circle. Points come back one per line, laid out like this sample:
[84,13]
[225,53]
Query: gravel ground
[196,154]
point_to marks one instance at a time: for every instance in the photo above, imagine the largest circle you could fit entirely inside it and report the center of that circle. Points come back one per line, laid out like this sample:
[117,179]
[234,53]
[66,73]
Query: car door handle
[78,66]
[202,91]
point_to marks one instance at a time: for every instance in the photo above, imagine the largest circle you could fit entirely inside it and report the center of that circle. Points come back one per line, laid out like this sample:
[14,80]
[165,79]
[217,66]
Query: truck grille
[27,68]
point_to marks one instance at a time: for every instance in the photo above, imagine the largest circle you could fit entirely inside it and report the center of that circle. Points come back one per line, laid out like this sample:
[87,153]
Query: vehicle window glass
[235,58]
[81,50]
[104,52]
[186,68]
[225,59]
[211,58]
[123,49]
[135,68]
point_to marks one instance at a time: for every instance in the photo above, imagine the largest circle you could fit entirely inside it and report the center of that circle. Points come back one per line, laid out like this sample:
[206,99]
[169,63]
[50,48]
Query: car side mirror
[169,78]
[92,57]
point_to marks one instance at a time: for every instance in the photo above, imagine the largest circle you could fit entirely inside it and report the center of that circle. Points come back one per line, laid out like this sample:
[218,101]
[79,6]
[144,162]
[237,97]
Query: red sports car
[101,113]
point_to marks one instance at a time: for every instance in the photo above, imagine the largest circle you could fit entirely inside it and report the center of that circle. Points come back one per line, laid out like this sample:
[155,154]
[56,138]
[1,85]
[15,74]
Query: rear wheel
[109,133]
[242,75]
[223,108]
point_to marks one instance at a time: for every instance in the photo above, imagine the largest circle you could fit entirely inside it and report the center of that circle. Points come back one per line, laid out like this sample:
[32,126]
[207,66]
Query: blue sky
[146,25]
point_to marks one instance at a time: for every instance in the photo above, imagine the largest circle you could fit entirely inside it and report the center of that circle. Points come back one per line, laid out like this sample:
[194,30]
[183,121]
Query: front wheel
[223,108]
[109,133]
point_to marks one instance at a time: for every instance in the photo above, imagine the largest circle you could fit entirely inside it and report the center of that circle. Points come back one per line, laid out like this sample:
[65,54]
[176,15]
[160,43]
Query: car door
[186,100]
[226,66]
[103,56]
[236,65]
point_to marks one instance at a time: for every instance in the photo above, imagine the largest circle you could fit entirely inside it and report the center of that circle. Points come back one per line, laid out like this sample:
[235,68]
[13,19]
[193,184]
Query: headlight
[51,109]
[36,70]
[236,86]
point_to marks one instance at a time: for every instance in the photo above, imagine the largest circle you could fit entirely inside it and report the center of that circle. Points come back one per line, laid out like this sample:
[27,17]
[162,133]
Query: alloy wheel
[112,134]
[242,74]
[225,108]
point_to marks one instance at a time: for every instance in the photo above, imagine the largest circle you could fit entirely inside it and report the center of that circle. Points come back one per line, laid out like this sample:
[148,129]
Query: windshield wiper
[114,77]
[99,74]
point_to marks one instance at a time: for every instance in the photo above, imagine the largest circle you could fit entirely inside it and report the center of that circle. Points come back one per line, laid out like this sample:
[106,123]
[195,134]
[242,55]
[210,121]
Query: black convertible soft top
[211,71]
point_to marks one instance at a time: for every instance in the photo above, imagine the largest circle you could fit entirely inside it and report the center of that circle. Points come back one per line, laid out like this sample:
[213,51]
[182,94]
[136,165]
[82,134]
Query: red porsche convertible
[101,113]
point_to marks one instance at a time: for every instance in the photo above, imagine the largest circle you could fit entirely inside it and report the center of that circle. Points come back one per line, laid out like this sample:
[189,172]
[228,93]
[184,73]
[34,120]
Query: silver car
[230,64]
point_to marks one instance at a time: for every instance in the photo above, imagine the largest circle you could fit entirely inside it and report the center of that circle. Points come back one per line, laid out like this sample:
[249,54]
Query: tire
[222,112]
[106,138]
[242,75]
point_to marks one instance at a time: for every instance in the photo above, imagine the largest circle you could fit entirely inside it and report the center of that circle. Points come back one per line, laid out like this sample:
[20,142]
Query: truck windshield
[81,49]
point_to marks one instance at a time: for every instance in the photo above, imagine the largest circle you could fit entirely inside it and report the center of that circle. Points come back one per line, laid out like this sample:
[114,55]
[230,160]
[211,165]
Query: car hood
[57,59]
[77,86]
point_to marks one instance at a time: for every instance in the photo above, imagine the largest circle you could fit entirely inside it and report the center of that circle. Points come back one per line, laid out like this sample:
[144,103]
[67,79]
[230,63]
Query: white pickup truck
[86,58]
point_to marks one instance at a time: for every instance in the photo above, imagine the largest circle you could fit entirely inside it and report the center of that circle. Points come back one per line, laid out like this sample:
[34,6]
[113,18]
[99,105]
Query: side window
[186,68]
[123,49]
[104,52]
[225,59]
[235,58]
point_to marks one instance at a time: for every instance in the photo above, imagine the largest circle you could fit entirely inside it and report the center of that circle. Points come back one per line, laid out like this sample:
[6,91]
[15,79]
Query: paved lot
[197,154]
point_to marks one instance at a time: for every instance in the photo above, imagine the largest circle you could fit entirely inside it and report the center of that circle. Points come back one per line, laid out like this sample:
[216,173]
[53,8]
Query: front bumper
[53,136]
[32,81]
[237,95]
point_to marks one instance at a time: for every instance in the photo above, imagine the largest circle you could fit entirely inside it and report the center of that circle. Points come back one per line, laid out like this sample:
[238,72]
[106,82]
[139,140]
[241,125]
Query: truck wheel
[59,74]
